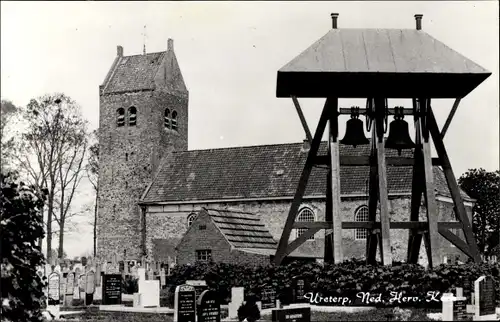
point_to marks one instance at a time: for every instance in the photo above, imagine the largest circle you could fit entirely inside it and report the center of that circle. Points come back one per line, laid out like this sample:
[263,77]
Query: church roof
[134,73]
[241,229]
[393,63]
[267,171]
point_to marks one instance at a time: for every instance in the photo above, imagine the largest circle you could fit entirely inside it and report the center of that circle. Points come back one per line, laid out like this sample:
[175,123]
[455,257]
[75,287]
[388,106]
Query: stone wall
[129,156]
[171,221]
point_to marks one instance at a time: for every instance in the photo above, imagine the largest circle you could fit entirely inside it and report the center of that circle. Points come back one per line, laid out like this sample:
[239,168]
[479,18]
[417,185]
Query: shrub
[344,279]
[249,310]
[130,285]
[21,226]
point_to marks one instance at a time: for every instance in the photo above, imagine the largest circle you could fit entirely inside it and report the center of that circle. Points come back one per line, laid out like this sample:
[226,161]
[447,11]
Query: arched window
[167,121]
[121,117]
[132,116]
[191,218]
[305,215]
[361,215]
[174,120]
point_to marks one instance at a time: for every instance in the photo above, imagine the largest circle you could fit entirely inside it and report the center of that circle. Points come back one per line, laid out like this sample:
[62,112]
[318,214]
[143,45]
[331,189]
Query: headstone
[142,274]
[208,309]
[112,289]
[98,275]
[163,279]
[54,289]
[300,288]
[70,286]
[484,291]
[185,304]
[453,308]
[199,286]
[89,287]
[150,293]
[268,297]
[237,298]
[137,299]
[299,314]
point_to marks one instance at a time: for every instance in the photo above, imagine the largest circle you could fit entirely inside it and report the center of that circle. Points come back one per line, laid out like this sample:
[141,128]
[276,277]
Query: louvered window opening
[174,120]
[121,117]
[132,119]
[167,121]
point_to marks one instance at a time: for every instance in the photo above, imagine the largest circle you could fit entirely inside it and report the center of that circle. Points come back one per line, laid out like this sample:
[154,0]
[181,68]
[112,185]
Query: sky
[229,54]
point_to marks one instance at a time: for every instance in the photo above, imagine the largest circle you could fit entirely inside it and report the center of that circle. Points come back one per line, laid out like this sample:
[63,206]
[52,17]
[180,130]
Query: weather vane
[144,41]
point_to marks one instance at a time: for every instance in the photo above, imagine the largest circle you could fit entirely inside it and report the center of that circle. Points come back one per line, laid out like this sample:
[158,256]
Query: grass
[384,314]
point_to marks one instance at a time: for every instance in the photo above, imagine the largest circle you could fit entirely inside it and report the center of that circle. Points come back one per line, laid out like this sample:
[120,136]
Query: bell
[354,133]
[399,136]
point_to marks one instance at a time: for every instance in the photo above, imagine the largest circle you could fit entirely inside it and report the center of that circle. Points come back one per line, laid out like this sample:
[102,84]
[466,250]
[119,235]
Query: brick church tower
[143,116]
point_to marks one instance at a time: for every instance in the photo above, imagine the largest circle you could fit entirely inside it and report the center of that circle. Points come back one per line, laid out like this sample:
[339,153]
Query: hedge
[345,279]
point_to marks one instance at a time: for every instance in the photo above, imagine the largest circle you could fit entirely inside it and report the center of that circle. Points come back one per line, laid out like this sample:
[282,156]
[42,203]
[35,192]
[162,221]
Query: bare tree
[8,112]
[93,175]
[51,154]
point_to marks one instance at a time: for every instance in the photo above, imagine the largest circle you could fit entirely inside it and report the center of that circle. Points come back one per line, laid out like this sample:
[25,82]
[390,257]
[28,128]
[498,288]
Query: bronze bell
[354,133]
[399,136]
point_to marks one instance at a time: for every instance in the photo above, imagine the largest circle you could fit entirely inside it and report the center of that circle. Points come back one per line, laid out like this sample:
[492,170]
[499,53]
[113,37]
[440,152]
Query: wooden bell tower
[380,64]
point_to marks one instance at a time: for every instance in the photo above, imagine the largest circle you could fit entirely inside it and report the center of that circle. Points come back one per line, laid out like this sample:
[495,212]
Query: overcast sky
[229,53]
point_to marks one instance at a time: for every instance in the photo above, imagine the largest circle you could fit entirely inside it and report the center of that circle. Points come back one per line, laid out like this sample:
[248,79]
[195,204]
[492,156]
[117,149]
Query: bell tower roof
[393,63]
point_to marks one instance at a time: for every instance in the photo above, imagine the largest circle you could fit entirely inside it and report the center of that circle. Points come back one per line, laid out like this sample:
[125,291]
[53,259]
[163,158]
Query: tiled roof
[272,251]
[242,230]
[267,171]
[363,62]
[134,73]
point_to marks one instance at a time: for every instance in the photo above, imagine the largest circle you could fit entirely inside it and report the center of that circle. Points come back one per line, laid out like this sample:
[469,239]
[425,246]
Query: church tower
[143,116]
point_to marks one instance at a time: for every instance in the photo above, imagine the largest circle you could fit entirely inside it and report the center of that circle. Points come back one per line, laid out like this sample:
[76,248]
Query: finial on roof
[170,44]
[119,51]
[418,19]
[334,20]
[144,41]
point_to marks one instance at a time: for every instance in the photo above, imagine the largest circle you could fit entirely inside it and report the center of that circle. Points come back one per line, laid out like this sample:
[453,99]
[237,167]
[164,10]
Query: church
[159,199]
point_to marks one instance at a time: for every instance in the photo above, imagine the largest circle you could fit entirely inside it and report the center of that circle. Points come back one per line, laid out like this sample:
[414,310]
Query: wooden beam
[376,225]
[348,160]
[429,193]
[455,240]
[386,253]
[415,239]
[328,251]
[304,177]
[453,186]
[302,118]
[300,240]
[372,239]
[334,165]
[450,117]
[362,111]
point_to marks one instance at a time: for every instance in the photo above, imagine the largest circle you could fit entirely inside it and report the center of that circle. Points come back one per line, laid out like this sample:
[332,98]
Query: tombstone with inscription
[112,289]
[70,287]
[268,297]
[299,314]
[54,289]
[185,304]
[199,286]
[484,291]
[300,287]
[208,309]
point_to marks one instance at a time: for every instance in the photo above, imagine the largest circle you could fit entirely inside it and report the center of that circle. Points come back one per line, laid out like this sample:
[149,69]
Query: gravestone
[268,297]
[163,279]
[484,291]
[237,298]
[300,314]
[70,287]
[89,287]
[54,289]
[208,309]
[300,287]
[199,286]
[185,304]
[112,289]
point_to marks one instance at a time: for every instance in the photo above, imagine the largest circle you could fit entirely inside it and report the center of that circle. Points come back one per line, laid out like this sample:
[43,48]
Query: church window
[167,119]
[174,120]
[305,215]
[121,117]
[361,215]
[191,218]
[132,116]
[204,255]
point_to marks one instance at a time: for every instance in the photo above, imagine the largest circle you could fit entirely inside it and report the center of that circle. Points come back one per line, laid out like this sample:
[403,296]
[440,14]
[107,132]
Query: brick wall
[129,156]
[171,220]
[212,239]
